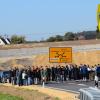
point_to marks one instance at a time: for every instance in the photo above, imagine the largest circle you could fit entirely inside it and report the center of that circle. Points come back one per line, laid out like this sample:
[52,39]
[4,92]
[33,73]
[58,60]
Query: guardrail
[89,94]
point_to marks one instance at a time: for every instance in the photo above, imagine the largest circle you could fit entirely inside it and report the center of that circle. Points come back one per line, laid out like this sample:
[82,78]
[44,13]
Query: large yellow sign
[60,55]
[98,18]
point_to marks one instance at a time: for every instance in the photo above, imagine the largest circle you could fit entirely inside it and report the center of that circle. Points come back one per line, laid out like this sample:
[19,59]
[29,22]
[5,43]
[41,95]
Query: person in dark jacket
[70,72]
[66,73]
[98,70]
[20,81]
[85,72]
[48,73]
[53,73]
[75,72]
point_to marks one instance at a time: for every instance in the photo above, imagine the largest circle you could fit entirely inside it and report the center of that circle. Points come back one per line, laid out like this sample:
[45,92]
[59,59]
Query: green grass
[57,98]
[9,97]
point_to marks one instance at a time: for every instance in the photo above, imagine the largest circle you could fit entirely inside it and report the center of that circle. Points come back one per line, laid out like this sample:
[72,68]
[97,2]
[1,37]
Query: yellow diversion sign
[60,55]
[98,17]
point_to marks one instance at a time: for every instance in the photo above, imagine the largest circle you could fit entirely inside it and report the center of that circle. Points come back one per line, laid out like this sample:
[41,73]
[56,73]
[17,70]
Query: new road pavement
[43,50]
[72,86]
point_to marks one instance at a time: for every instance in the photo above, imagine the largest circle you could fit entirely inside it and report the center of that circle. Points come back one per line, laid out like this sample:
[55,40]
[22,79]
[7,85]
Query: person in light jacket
[43,75]
[96,80]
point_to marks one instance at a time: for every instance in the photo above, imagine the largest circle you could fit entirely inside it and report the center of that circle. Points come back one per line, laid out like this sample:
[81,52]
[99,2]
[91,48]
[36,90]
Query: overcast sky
[39,19]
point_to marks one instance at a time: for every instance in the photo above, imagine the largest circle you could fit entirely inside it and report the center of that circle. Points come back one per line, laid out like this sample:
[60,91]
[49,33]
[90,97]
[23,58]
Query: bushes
[17,39]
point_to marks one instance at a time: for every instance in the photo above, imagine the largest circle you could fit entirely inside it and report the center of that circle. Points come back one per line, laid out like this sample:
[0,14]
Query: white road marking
[71,83]
[78,84]
[82,84]
[66,90]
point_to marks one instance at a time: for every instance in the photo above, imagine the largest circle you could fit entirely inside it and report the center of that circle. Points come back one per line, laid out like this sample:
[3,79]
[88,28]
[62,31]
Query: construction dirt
[87,57]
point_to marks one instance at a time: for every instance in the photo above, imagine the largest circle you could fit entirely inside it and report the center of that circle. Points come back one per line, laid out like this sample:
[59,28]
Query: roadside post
[43,83]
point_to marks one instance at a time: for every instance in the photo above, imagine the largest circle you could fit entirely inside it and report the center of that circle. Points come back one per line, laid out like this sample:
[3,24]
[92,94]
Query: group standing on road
[38,75]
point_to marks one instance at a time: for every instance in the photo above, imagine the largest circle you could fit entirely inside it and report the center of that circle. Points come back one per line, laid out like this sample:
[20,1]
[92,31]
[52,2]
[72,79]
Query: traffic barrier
[89,94]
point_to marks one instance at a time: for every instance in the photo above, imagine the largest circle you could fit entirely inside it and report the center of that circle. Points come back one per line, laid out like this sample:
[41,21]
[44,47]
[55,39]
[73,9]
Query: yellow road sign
[98,18]
[60,55]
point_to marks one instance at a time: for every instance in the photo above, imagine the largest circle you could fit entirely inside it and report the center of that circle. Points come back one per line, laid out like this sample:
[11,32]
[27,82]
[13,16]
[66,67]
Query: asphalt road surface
[71,86]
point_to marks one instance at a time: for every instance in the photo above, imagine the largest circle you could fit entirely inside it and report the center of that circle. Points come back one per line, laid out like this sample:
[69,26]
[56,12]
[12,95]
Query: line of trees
[15,39]
[70,36]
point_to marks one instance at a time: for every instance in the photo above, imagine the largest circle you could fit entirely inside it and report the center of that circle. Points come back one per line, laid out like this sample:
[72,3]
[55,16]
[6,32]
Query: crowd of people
[38,75]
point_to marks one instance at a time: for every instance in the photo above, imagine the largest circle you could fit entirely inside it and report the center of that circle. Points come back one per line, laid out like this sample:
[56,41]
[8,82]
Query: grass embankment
[9,97]
[35,92]
[23,93]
